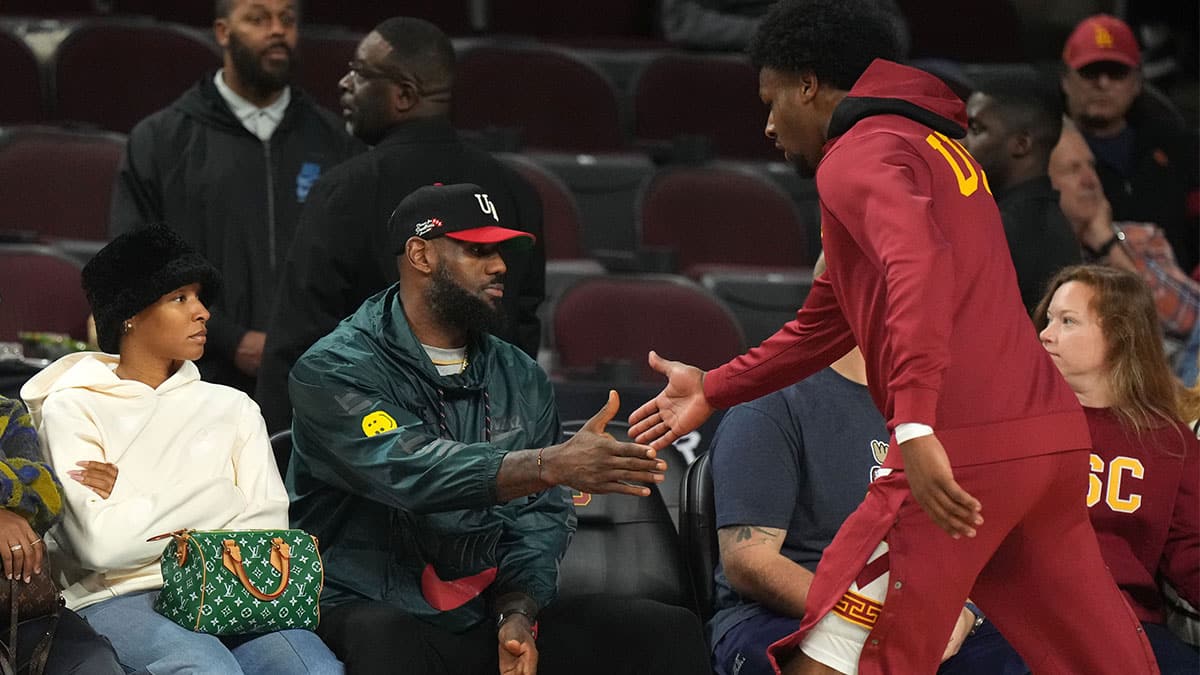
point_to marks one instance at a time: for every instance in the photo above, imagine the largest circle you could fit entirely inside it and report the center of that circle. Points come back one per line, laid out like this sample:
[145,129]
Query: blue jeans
[147,642]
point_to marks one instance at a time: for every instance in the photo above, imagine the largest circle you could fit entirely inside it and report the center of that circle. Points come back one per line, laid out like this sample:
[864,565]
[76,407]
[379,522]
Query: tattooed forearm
[742,536]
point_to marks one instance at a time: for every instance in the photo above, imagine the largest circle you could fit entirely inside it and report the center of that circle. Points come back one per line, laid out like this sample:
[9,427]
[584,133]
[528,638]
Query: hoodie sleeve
[257,475]
[27,484]
[818,336]
[883,206]
[350,435]
[533,545]
[137,194]
[110,534]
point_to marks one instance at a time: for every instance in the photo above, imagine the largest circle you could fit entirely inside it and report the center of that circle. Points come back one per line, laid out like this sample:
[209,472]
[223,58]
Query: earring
[126,327]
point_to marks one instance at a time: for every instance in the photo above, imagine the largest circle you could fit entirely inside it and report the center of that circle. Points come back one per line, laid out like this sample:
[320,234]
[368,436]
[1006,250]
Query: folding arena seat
[762,302]
[698,531]
[562,102]
[712,216]
[20,80]
[325,55]
[113,73]
[610,23]
[560,214]
[41,292]
[606,188]
[710,96]
[56,182]
[604,321]
[47,8]
[198,14]
[454,18]
[625,547]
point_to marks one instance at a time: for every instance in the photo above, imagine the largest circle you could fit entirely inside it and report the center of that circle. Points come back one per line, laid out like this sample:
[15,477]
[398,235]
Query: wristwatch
[979,617]
[510,613]
[1118,236]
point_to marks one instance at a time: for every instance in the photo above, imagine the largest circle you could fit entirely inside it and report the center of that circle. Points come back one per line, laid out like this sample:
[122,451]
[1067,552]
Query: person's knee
[202,655]
[288,651]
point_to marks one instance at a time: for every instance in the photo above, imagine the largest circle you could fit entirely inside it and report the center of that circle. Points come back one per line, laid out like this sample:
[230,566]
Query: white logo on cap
[487,206]
[423,228]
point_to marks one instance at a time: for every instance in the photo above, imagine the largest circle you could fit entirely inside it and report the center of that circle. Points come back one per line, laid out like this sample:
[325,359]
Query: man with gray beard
[228,166]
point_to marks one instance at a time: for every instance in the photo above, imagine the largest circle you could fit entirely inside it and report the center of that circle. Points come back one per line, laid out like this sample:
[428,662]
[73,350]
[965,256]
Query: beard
[250,70]
[459,308]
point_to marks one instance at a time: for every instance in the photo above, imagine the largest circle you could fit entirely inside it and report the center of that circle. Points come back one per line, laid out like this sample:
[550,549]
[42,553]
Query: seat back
[674,94]
[65,177]
[114,73]
[281,446]
[698,531]
[716,215]
[625,546]
[41,292]
[20,80]
[621,318]
[325,55]
[561,223]
[562,103]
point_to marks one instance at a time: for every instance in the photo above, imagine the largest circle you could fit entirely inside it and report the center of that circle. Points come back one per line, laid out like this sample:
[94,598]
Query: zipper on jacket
[270,205]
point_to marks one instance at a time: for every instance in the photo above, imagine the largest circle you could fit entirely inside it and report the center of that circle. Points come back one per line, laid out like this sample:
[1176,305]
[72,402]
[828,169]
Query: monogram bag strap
[281,557]
[14,607]
[41,652]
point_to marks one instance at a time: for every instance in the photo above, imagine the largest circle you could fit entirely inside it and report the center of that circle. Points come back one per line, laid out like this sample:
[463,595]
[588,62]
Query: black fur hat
[136,269]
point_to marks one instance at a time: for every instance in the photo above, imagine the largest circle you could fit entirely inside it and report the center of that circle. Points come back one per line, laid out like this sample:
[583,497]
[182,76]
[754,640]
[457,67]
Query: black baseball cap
[461,211]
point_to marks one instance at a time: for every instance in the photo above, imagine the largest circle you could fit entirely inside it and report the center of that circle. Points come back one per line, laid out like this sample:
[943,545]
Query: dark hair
[1028,103]
[421,49]
[835,39]
[1145,393]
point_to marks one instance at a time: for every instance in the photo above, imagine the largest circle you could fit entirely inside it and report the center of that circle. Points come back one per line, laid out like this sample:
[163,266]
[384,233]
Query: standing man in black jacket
[1013,124]
[396,97]
[228,165]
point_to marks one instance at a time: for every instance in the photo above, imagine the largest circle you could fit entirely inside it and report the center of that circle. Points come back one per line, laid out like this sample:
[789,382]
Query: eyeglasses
[363,73]
[1110,69]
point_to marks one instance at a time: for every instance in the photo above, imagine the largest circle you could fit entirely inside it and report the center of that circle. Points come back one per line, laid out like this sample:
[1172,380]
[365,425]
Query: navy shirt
[799,459]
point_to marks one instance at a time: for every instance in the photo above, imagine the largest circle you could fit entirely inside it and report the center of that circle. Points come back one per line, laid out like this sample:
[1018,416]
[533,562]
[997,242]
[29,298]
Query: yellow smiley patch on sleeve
[377,422]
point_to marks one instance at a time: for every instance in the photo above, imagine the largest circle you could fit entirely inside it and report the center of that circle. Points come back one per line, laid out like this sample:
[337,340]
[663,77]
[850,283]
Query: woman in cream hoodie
[143,447]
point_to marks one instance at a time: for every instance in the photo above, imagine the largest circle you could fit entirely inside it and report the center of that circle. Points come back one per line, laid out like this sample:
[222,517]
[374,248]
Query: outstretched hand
[595,462]
[678,409]
[933,487]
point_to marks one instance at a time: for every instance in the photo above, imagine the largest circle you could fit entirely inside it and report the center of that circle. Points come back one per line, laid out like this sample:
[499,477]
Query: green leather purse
[233,582]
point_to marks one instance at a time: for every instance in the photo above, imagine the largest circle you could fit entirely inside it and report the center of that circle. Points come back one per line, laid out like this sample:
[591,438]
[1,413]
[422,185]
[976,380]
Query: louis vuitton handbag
[233,582]
[23,603]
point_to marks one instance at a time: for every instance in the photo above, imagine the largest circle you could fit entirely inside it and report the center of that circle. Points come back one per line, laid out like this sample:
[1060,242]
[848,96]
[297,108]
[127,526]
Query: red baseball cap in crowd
[1101,38]
[462,211]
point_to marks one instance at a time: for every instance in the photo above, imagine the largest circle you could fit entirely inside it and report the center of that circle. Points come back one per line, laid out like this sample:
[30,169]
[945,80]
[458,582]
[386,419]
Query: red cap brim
[489,235]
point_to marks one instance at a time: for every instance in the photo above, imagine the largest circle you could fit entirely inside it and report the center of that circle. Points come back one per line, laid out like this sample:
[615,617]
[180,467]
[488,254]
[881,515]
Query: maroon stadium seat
[622,317]
[20,80]
[41,292]
[703,95]
[714,216]
[561,221]
[114,73]
[556,100]
[325,54]
[452,16]
[65,178]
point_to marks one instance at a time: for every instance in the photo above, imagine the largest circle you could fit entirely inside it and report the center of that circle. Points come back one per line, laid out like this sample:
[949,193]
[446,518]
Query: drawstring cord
[487,415]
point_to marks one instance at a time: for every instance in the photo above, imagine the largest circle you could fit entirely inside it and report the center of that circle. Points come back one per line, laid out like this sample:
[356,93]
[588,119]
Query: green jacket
[392,470]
